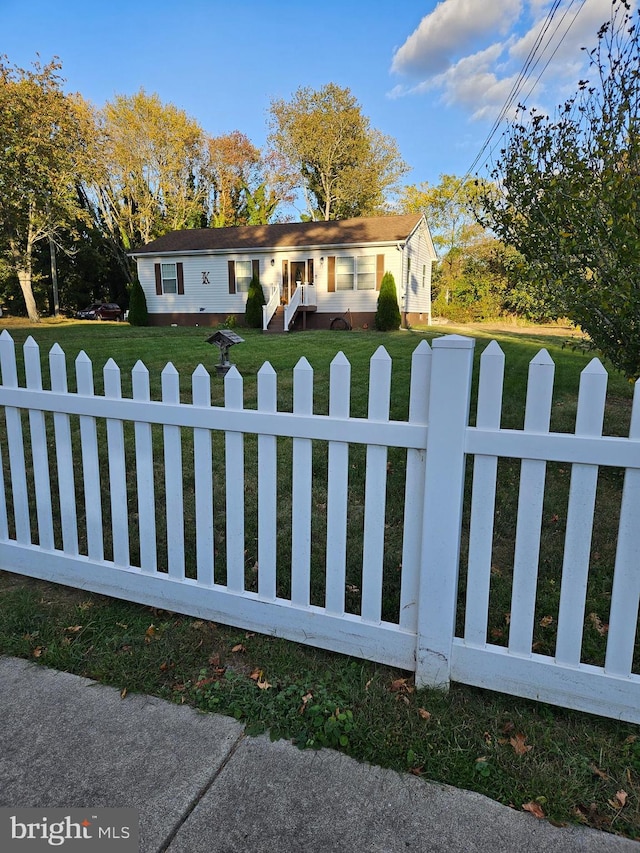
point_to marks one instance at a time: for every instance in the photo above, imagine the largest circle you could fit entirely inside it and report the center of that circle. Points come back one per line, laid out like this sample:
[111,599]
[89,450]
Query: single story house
[314,274]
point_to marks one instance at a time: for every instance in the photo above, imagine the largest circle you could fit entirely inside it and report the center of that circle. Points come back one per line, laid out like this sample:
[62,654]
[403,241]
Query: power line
[528,69]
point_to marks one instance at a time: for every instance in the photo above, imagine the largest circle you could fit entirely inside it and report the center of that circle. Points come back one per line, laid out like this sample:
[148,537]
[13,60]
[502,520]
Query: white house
[314,274]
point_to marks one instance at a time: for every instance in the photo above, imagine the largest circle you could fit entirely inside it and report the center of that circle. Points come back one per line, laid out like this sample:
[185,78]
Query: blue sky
[433,75]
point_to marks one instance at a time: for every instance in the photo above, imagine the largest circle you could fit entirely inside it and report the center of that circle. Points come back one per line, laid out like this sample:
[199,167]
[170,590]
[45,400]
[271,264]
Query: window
[344,273]
[367,273]
[169,278]
[244,271]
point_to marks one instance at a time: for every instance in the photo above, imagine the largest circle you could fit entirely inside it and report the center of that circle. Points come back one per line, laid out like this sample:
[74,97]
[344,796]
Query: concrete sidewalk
[200,784]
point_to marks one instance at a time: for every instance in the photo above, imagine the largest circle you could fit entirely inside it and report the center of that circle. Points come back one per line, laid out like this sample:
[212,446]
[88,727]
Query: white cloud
[474,63]
[453,26]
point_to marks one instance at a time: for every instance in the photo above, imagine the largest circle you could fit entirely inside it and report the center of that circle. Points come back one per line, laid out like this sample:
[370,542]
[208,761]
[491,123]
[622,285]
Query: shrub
[387,314]
[138,315]
[255,301]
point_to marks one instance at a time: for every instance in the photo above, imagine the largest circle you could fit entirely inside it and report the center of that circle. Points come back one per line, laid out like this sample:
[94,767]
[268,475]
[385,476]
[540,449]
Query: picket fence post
[450,393]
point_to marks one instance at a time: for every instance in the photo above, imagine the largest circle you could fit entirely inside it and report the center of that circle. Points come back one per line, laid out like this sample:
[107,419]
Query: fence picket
[267,488]
[64,455]
[90,463]
[143,442]
[39,449]
[530,501]
[174,497]
[414,489]
[234,483]
[15,443]
[203,473]
[625,595]
[483,499]
[337,488]
[375,489]
[580,514]
[117,469]
[301,490]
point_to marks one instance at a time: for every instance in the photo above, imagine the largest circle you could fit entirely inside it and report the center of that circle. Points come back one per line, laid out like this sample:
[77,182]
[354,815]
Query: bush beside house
[388,313]
[138,315]
[255,301]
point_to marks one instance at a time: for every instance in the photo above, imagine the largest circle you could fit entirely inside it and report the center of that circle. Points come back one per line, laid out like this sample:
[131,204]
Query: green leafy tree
[255,301]
[44,138]
[138,315]
[567,196]
[387,316]
[325,146]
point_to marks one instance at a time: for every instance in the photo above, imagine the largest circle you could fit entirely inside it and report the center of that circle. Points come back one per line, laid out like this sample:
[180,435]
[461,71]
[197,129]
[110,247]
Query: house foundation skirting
[312,320]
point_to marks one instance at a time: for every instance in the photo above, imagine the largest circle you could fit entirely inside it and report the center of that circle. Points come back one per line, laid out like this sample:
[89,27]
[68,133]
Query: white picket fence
[53,524]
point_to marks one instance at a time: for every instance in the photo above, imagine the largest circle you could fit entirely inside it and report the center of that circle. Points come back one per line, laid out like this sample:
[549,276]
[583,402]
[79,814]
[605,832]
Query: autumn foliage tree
[329,151]
[148,178]
[44,137]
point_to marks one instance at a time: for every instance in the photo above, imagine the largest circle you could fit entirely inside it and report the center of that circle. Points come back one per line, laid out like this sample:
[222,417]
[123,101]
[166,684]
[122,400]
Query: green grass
[475,739]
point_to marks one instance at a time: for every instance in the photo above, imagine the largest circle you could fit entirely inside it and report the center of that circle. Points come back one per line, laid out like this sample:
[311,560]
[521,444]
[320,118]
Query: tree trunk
[24,277]
[23,262]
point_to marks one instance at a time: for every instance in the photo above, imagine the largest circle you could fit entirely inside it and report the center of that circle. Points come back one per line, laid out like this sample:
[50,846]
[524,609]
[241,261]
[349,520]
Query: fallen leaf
[149,633]
[546,621]
[424,715]
[508,727]
[534,808]
[37,652]
[518,744]
[597,772]
[597,623]
[305,701]
[123,692]
[238,648]
[496,633]
[214,660]
[619,801]
[400,685]
[73,629]
[263,685]
[417,771]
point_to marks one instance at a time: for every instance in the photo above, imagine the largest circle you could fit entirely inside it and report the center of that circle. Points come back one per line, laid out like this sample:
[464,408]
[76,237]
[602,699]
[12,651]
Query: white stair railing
[269,309]
[292,307]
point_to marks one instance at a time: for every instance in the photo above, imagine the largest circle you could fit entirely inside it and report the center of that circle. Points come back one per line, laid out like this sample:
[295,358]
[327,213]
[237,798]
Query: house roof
[376,229]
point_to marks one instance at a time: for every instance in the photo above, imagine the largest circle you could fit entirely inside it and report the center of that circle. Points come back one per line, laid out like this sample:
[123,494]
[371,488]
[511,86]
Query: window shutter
[331,274]
[232,276]
[379,270]
[310,270]
[255,269]
[180,271]
[158,279]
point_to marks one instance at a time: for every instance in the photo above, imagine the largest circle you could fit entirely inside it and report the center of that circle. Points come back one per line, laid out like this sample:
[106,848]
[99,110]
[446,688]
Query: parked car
[100,311]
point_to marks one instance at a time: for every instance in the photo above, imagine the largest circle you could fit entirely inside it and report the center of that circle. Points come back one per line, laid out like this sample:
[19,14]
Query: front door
[298,274]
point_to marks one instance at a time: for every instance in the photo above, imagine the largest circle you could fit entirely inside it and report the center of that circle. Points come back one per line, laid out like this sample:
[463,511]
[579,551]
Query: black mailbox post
[224,339]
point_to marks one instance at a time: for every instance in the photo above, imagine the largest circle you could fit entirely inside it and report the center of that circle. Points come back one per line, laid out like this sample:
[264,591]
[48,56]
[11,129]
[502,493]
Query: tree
[448,208]
[387,317]
[138,315]
[567,196]
[232,161]
[149,176]
[44,137]
[328,150]
[255,301]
